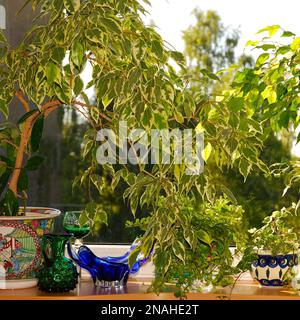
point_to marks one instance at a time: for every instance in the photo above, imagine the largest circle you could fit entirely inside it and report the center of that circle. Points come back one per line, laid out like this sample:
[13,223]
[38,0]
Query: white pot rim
[34,213]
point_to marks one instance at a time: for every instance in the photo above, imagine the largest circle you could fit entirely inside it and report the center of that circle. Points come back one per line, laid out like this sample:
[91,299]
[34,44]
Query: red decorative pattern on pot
[20,251]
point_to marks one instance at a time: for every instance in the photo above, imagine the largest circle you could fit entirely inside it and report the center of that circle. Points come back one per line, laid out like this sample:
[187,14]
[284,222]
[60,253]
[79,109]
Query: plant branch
[82,104]
[19,95]
[25,136]
[45,109]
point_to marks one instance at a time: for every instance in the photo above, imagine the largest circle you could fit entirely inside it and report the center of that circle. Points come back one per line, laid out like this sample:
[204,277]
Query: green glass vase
[58,273]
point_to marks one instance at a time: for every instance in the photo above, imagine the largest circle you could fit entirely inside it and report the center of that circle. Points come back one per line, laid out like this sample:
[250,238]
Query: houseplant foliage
[270,88]
[275,235]
[135,82]
[210,46]
[275,245]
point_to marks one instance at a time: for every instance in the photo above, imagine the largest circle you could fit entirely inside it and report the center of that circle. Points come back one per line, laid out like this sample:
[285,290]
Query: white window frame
[2,17]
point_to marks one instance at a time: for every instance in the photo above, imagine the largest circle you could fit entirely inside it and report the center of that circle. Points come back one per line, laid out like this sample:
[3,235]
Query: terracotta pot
[20,249]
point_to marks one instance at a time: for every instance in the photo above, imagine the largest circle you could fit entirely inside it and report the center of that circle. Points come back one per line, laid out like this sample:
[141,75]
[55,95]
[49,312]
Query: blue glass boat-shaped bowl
[106,271]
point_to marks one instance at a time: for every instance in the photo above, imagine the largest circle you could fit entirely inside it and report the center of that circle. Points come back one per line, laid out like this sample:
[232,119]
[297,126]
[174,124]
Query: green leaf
[178,116]
[270,94]
[53,73]
[189,236]
[263,167]
[177,56]
[134,76]
[102,87]
[97,181]
[72,5]
[245,168]
[27,115]
[159,121]
[83,218]
[210,74]
[229,194]
[270,29]
[266,47]
[287,34]
[2,37]
[11,204]
[158,49]
[85,98]
[262,58]
[9,161]
[95,114]
[4,108]
[106,101]
[77,53]
[87,148]
[236,104]
[111,25]
[23,180]
[94,35]
[134,201]
[254,125]
[63,92]
[179,250]
[146,117]
[283,50]
[4,180]
[203,236]
[36,134]
[34,162]
[146,245]
[298,138]
[249,153]
[207,151]
[116,179]
[295,44]
[232,145]
[177,172]
[78,87]
[133,257]
[252,43]
[284,119]
[58,54]
[199,128]
[163,261]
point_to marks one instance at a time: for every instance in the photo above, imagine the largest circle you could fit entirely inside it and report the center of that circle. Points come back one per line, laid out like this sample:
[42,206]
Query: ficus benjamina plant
[140,79]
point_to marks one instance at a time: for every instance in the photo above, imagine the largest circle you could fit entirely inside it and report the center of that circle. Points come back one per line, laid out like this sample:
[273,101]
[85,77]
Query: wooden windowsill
[137,290]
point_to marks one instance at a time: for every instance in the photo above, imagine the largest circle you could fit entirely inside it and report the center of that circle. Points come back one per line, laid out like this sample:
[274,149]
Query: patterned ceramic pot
[274,271]
[20,248]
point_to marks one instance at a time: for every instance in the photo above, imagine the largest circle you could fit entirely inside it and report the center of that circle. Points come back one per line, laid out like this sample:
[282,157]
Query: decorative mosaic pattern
[20,249]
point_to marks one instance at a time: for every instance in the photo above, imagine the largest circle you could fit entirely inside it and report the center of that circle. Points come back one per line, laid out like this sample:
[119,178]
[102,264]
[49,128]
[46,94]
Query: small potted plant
[276,246]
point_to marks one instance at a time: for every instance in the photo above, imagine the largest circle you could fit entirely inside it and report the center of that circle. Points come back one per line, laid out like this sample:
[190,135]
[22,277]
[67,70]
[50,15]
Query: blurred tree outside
[210,48]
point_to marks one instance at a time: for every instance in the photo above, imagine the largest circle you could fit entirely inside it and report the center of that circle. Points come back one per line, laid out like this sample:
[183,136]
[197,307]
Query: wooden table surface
[137,290]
